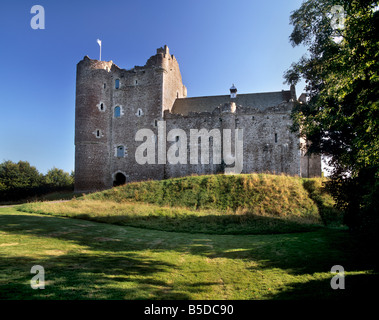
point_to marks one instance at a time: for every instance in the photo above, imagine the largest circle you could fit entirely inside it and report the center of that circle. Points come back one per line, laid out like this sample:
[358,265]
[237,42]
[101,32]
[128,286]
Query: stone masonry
[113,104]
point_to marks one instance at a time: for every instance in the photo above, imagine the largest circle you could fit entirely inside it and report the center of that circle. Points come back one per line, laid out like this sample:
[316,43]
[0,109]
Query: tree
[19,175]
[57,178]
[21,180]
[341,118]
[18,180]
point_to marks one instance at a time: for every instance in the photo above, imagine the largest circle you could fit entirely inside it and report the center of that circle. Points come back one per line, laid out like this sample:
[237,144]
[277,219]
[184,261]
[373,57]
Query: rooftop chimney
[233,92]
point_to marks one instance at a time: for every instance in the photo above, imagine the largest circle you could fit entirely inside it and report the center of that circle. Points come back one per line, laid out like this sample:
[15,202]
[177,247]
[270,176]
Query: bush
[19,181]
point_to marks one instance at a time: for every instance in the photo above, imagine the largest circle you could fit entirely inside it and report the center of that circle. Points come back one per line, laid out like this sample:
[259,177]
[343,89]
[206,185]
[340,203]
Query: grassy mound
[261,194]
[215,204]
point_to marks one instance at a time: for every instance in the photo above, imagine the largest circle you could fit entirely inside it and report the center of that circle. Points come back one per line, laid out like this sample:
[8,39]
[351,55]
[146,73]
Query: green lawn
[90,260]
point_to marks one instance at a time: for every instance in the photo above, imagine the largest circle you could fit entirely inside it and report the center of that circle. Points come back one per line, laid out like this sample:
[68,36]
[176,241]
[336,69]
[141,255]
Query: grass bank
[215,204]
[156,217]
[52,196]
[261,194]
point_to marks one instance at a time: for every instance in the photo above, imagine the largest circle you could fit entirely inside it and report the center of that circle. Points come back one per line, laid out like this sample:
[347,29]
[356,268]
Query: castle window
[117,84]
[120,151]
[136,81]
[117,112]
[155,123]
[105,85]
[98,134]
[276,137]
[139,112]
[101,106]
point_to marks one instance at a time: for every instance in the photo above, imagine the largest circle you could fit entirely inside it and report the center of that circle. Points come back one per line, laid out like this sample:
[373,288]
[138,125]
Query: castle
[119,112]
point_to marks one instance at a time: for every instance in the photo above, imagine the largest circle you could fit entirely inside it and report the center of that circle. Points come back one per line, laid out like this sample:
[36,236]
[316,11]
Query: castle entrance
[119,179]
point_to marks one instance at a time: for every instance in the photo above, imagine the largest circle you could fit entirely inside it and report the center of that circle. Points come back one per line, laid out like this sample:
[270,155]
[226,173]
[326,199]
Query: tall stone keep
[114,104]
[92,125]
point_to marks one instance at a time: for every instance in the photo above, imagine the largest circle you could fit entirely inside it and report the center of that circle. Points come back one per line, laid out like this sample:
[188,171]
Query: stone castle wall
[268,144]
[144,97]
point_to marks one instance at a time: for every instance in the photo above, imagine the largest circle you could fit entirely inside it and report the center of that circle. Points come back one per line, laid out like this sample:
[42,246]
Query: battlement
[95,64]
[163,50]
[162,59]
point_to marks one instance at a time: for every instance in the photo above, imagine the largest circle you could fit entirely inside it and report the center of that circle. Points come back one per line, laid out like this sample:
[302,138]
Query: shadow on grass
[75,276]
[330,215]
[227,224]
[112,263]
[307,253]
[104,267]
[358,287]
[51,196]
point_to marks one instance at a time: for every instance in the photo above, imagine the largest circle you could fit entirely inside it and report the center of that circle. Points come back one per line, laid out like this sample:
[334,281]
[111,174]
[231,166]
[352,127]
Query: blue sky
[217,43]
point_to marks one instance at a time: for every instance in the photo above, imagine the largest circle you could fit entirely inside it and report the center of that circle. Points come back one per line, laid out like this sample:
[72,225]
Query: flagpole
[99,43]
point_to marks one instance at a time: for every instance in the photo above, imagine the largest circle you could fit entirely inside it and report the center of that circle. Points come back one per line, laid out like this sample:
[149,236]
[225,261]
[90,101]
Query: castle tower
[173,87]
[112,105]
[92,107]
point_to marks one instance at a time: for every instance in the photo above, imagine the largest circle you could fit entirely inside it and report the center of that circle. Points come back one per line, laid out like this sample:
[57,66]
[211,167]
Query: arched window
[117,112]
[120,151]
[117,83]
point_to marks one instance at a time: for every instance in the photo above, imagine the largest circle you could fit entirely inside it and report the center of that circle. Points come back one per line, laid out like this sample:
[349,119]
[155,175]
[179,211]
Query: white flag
[99,42]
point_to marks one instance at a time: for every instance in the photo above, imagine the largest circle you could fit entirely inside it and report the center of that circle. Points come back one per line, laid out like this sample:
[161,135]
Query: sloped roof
[208,104]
